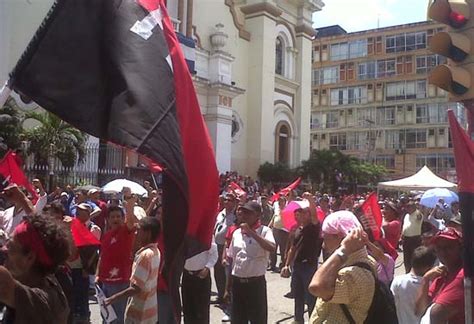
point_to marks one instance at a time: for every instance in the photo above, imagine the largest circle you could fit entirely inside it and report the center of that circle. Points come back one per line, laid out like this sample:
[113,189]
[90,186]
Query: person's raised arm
[15,195]
[423,299]
[130,218]
[323,283]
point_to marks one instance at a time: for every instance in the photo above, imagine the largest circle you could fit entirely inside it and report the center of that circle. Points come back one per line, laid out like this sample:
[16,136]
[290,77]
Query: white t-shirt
[249,258]
[405,289]
[412,224]
[9,221]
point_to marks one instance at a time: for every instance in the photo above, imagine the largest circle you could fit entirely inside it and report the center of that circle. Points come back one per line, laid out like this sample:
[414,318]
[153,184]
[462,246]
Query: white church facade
[251,69]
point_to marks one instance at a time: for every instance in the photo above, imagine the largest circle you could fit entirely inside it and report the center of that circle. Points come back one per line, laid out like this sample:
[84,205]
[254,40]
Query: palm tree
[53,137]
[10,127]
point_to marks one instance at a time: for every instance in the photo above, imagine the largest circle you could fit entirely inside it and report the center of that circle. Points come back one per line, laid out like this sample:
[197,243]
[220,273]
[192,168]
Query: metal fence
[103,163]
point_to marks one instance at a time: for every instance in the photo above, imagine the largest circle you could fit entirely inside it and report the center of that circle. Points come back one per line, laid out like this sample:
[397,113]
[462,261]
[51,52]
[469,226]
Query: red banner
[371,217]
[10,168]
[285,191]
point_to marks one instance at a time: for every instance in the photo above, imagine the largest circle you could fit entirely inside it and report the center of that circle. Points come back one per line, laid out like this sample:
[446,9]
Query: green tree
[331,169]
[54,136]
[275,173]
[10,127]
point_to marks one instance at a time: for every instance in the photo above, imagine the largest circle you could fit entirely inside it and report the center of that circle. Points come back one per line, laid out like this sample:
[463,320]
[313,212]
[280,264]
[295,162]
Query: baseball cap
[449,234]
[92,191]
[253,206]
[85,207]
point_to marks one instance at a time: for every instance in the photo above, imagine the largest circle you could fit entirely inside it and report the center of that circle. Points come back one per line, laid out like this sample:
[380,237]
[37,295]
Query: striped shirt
[143,307]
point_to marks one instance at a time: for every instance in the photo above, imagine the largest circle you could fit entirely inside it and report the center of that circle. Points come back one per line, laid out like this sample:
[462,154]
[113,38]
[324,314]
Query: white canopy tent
[422,180]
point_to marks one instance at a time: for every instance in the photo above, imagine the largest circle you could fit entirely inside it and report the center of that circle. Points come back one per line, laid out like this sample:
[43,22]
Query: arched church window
[283,144]
[279,56]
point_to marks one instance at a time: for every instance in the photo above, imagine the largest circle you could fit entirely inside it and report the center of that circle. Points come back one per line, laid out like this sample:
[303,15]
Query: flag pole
[5,93]
[468,299]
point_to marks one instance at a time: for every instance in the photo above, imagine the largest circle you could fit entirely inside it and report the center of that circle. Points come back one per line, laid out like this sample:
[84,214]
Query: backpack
[382,309]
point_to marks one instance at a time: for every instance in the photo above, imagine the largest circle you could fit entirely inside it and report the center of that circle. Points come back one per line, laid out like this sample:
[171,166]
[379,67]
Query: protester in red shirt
[441,295]
[116,256]
[392,227]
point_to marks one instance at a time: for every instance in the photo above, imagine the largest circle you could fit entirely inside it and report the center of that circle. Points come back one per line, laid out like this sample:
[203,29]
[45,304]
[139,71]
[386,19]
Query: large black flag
[114,69]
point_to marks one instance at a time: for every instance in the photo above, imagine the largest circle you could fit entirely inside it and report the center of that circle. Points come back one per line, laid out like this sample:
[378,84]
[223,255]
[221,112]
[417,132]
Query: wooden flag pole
[5,93]
[468,300]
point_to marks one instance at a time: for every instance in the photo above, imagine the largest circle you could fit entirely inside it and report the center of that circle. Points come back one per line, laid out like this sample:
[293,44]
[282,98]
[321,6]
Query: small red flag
[371,217]
[285,191]
[81,235]
[235,188]
[10,167]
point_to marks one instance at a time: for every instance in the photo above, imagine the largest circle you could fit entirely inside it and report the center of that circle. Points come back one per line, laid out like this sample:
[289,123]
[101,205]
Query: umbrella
[288,214]
[431,197]
[117,186]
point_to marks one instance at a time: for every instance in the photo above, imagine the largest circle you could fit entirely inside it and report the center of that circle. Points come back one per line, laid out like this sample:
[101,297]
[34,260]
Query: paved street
[280,309]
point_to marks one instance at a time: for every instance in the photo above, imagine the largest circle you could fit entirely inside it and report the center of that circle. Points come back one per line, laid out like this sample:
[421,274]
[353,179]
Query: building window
[415,138]
[405,42]
[388,161]
[332,119]
[386,68]
[367,70]
[339,52]
[351,95]
[405,90]
[438,163]
[434,113]
[393,139]
[279,56]
[426,63]
[386,115]
[337,141]
[358,48]
[327,75]
[283,143]
[366,116]
[357,141]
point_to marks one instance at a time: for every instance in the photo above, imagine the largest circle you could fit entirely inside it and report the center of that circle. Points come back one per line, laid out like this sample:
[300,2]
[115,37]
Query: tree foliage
[11,130]
[330,170]
[275,173]
[56,137]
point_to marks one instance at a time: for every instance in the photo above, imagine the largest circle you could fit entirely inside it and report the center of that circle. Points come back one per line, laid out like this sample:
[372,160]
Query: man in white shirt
[405,288]
[411,233]
[196,286]
[250,250]
[224,220]
[13,216]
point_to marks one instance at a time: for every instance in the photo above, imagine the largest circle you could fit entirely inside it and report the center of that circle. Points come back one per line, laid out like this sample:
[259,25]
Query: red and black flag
[115,69]
[464,159]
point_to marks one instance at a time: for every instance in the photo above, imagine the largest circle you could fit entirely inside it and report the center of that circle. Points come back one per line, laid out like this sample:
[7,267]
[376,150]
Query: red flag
[10,167]
[235,188]
[371,217]
[463,155]
[81,235]
[285,191]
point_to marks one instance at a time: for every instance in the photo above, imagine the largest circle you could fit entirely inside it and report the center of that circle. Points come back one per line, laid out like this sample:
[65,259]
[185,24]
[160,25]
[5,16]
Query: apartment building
[372,99]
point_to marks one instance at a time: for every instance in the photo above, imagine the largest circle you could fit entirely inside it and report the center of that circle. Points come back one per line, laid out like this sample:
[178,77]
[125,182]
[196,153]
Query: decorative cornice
[244,34]
[306,30]
[265,7]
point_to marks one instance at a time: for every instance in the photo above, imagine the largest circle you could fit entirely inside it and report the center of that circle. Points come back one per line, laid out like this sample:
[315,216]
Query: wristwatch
[341,252]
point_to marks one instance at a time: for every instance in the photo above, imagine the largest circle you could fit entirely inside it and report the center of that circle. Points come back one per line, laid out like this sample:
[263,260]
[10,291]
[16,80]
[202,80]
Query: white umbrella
[431,197]
[116,186]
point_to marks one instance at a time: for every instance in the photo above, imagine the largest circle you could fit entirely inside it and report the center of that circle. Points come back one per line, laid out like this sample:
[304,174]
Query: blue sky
[356,15]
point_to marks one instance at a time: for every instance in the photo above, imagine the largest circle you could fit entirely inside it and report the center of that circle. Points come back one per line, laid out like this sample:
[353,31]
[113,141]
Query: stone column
[181,15]
[260,22]
[304,35]
[189,19]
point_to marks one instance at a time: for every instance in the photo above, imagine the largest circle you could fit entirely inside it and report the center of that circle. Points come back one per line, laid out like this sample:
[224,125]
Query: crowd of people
[60,246]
